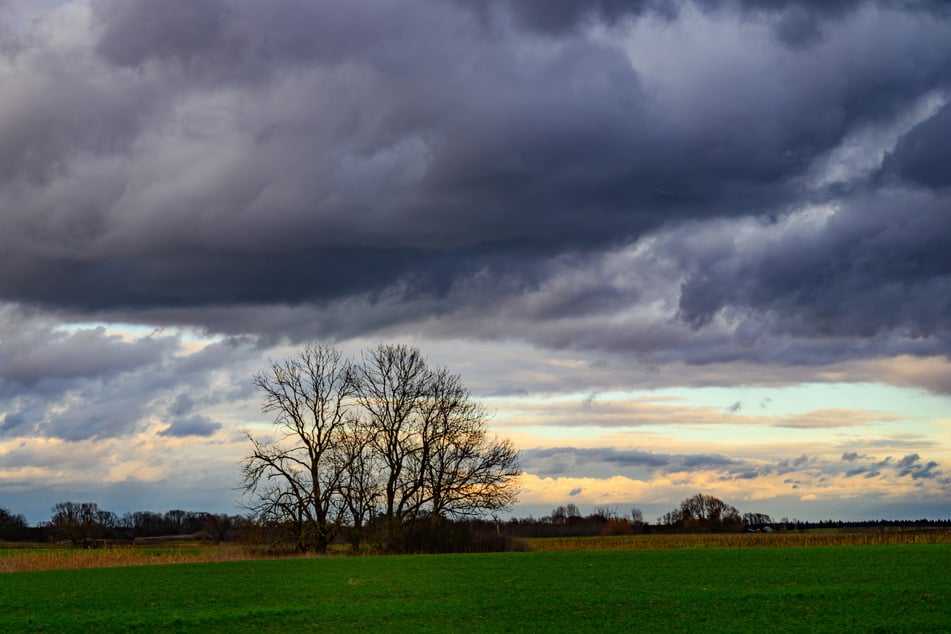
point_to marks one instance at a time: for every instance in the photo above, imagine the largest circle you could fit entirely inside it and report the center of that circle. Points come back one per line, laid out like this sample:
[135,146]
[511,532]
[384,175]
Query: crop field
[881,588]
[818,537]
[33,558]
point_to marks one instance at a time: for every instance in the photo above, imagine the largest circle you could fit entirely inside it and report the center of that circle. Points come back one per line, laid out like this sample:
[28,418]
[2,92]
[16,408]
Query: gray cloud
[796,21]
[908,461]
[792,464]
[876,264]
[182,405]
[81,382]
[801,472]
[191,426]
[920,158]
[35,351]
[911,465]
[12,421]
[610,461]
[559,16]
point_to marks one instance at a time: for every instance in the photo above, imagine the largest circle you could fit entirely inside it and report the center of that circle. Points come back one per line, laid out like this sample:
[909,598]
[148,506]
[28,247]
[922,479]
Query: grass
[846,589]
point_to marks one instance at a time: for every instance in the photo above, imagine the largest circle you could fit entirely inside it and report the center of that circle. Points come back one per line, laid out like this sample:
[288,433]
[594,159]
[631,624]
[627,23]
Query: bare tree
[705,513]
[360,485]
[393,381]
[297,479]
[389,443]
[565,514]
[606,511]
[637,516]
[430,435]
[756,520]
[462,470]
[82,523]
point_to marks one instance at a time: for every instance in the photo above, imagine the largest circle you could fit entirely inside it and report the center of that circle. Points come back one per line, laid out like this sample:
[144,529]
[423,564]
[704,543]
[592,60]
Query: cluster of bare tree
[703,513]
[568,521]
[382,448]
[700,513]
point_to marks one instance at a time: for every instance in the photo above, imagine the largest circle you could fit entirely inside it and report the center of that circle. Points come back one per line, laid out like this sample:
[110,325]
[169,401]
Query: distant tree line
[14,528]
[84,524]
[700,513]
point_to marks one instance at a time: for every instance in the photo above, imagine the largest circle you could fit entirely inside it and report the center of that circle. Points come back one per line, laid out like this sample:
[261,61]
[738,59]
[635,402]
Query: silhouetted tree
[386,444]
[81,523]
[428,436]
[637,516]
[13,527]
[705,513]
[756,520]
[296,481]
[606,511]
[564,514]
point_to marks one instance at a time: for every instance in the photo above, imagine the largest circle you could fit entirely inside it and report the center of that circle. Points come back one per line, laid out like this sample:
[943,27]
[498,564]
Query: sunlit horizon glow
[762,449]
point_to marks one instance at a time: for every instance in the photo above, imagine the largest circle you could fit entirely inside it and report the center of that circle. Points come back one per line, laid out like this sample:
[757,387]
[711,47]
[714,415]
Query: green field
[806,589]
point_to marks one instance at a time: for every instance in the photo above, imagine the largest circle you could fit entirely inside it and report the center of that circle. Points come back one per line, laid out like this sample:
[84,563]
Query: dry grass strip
[742,540]
[26,560]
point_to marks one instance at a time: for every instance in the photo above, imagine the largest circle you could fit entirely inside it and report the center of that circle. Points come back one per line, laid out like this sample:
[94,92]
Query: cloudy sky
[675,246]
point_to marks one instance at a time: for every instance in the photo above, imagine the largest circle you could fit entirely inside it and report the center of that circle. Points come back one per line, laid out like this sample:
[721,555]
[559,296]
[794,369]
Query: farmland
[841,589]
[783,539]
[32,558]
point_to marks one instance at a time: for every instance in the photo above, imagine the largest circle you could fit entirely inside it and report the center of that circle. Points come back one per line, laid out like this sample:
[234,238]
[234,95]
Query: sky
[674,246]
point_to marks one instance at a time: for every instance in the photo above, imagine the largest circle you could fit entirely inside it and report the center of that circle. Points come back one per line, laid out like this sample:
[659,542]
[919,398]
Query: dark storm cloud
[879,262]
[317,168]
[133,33]
[558,16]
[348,194]
[923,156]
[225,40]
